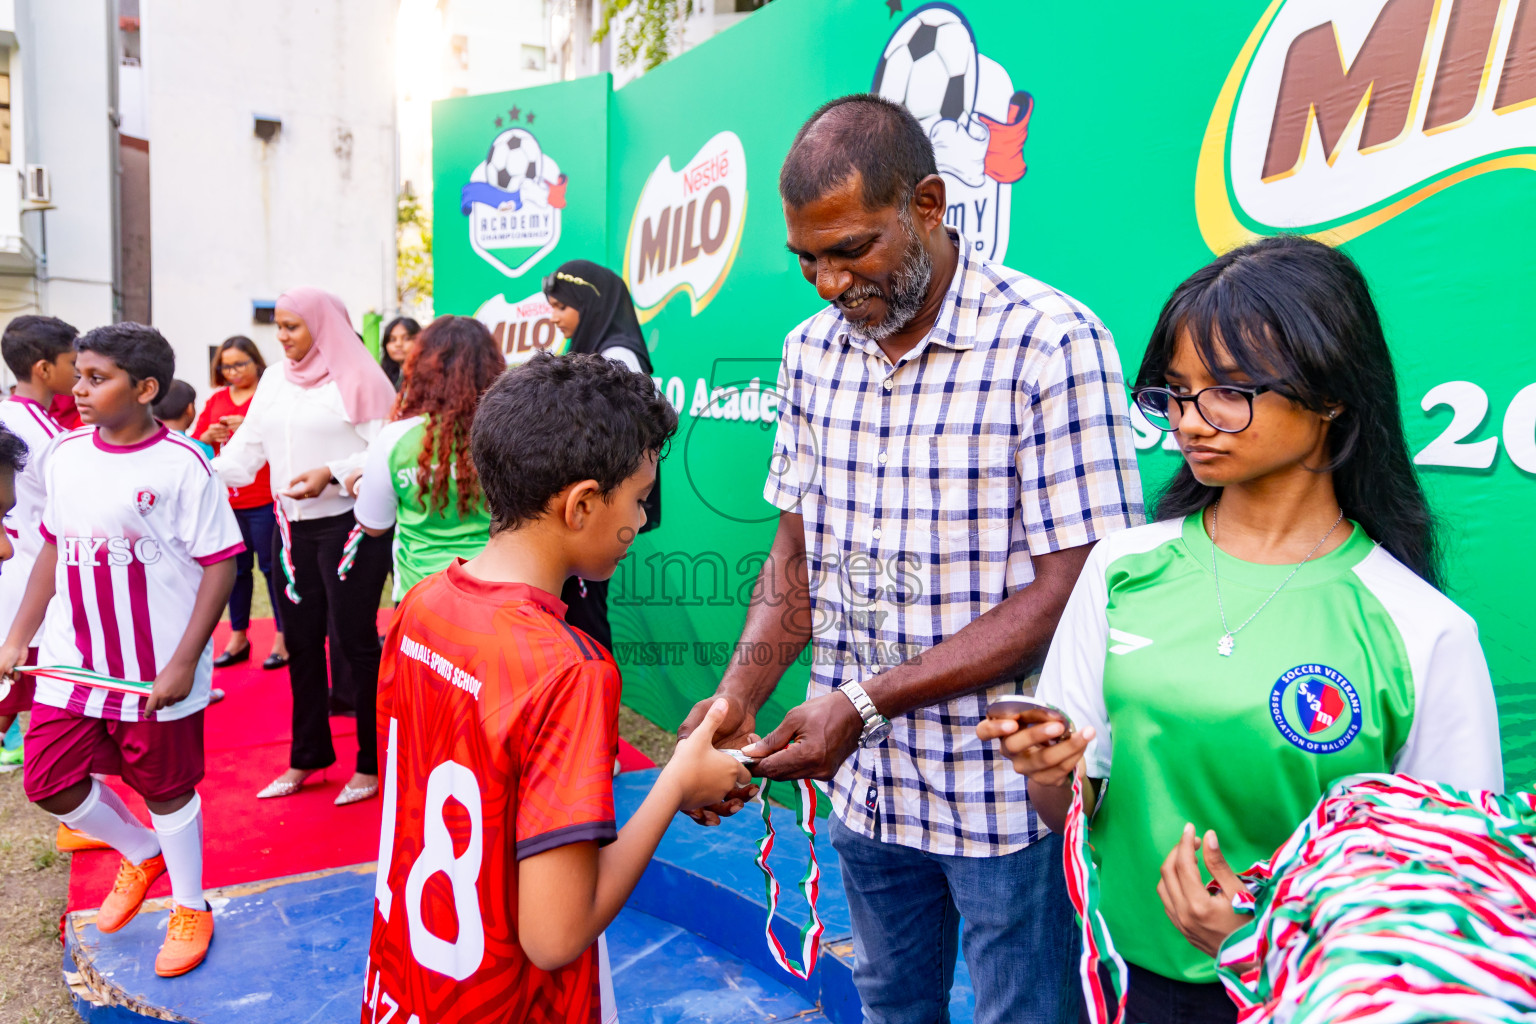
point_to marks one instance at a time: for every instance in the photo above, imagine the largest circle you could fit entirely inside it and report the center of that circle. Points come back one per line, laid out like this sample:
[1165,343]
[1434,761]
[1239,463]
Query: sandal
[279,787]
[353,795]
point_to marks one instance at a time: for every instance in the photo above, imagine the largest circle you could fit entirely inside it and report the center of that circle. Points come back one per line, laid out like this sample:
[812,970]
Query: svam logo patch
[1316,709]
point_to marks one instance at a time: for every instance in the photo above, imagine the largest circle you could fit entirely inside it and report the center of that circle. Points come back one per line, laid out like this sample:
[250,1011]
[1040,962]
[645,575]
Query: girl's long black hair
[1296,315]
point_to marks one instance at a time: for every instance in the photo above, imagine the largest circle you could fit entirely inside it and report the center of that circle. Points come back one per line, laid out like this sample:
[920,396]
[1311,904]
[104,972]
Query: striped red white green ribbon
[810,882]
[1396,900]
[1098,948]
[290,587]
[84,676]
[349,552]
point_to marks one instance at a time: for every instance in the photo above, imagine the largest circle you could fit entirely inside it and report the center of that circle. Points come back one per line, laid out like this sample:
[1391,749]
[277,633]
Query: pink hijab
[337,355]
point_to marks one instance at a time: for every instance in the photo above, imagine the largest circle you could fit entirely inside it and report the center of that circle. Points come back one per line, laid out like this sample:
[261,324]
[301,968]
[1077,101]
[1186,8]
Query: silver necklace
[1226,644]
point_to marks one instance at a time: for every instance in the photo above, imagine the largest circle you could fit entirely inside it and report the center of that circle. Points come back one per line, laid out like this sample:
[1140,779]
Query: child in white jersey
[139,546]
[40,351]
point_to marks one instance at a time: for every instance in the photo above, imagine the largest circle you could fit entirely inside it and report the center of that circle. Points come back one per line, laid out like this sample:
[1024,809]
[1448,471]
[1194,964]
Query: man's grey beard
[909,287]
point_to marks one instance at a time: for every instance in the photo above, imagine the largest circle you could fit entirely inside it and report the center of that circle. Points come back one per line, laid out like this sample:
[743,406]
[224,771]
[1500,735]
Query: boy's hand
[171,687]
[10,657]
[350,484]
[699,773]
[1035,751]
[734,732]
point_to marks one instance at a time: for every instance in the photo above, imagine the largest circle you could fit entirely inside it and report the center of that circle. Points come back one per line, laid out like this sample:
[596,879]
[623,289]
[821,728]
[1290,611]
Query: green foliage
[413,254]
[650,30]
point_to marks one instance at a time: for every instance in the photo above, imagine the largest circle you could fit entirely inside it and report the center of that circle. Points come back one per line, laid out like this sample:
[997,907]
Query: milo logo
[1337,117]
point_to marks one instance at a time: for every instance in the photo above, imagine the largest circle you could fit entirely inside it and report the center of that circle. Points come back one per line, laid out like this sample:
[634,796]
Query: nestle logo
[1339,116]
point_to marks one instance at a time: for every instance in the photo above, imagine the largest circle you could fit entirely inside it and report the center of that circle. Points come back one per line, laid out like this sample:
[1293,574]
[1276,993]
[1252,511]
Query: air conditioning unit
[37,187]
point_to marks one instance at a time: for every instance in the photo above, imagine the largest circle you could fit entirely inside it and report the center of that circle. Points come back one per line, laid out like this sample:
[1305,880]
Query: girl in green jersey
[419,477]
[1277,628]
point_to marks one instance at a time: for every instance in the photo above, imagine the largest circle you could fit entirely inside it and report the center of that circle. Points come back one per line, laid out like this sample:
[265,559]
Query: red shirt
[62,408]
[258,492]
[500,723]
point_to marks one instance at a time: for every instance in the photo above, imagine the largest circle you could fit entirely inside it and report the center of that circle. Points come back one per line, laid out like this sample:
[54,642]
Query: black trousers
[348,609]
[589,612]
[1155,999]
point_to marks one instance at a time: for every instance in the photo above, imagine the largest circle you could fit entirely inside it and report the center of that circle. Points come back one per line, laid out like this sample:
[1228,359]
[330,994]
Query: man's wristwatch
[876,726]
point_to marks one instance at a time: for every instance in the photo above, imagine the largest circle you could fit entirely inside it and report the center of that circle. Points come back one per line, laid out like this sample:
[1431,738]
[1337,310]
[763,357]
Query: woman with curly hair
[419,477]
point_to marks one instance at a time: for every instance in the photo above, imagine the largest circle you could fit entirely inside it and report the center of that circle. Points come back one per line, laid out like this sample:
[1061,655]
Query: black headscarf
[608,320]
[608,317]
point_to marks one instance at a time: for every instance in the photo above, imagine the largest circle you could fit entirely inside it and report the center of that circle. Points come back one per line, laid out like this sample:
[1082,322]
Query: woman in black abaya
[592,308]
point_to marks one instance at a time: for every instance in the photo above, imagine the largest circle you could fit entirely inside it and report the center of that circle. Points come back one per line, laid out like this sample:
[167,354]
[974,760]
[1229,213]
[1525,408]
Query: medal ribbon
[286,555]
[1395,900]
[1098,947]
[810,882]
[85,677]
[349,552]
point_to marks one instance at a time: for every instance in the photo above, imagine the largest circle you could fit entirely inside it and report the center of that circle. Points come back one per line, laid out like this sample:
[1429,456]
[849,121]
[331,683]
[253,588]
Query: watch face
[876,735]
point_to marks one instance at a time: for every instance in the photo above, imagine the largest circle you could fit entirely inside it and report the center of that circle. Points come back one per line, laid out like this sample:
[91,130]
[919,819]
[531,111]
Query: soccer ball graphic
[513,159]
[929,66]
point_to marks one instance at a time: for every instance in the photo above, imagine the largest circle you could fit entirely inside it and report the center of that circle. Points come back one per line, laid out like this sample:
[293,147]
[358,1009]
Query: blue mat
[688,948]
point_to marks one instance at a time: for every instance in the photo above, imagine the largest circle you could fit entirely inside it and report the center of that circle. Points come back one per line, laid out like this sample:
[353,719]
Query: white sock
[181,840]
[104,816]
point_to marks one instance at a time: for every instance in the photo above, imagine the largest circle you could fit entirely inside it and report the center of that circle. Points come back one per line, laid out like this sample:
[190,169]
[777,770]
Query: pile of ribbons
[1396,900]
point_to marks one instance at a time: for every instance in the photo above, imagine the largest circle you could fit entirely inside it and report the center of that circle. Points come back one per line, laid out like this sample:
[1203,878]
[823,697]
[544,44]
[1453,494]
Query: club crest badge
[967,104]
[144,500]
[513,200]
[1316,709]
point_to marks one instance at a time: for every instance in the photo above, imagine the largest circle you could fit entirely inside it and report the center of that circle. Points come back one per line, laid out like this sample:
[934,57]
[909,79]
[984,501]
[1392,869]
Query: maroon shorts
[159,760]
[20,697]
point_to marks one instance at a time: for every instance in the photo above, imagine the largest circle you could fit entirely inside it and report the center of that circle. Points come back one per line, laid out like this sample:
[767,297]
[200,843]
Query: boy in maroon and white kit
[137,561]
[40,351]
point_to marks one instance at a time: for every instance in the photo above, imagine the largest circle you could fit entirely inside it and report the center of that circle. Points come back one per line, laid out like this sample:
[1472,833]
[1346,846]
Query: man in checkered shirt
[953,438]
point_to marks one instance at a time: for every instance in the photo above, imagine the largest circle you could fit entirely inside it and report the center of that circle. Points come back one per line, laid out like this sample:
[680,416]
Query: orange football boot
[69,840]
[186,941]
[127,895]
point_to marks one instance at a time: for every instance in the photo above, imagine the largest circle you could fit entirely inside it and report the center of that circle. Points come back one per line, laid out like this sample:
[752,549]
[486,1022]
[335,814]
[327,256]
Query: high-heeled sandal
[279,788]
[356,794]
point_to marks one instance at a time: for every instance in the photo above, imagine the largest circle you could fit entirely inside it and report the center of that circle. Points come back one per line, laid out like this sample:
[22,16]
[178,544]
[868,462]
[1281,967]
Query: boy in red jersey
[499,863]
[139,545]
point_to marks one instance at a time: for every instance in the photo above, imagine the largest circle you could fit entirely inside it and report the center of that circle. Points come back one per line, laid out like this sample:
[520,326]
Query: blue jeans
[256,528]
[1020,935]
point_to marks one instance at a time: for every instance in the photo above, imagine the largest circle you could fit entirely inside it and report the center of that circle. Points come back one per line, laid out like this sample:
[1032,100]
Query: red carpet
[248,840]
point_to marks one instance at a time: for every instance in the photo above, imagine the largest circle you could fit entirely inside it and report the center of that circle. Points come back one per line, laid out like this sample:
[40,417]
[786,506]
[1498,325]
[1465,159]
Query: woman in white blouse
[313,423]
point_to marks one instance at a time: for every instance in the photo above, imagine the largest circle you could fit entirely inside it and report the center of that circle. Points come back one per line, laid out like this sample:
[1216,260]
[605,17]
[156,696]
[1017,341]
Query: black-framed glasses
[1226,408]
[243,364]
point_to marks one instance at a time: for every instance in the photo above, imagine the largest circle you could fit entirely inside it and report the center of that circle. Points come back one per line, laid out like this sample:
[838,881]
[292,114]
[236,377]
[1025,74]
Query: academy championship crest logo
[522,329]
[144,500]
[686,228]
[513,201]
[1315,708]
[1337,117]
[975,118]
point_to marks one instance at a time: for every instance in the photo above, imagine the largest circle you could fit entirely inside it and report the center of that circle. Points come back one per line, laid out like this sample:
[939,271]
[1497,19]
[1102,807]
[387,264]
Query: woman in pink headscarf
[312,423]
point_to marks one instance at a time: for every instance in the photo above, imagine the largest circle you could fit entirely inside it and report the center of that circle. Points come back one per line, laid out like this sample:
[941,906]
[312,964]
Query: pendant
[1224,646]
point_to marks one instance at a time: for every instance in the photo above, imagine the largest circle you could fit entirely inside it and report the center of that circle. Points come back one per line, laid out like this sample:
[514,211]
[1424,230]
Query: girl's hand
[216,434]
[1202,914]
[1033,752]
[308,484]
[231,422]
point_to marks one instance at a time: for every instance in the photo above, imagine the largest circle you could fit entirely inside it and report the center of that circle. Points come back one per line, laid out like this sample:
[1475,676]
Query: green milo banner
[1107,149]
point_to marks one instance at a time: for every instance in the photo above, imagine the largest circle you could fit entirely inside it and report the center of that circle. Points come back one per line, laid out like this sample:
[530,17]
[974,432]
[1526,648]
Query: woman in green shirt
[419,477]
[1277,628]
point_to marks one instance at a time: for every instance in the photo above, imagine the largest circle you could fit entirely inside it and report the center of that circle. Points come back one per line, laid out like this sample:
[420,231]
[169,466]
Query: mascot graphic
[976,120]
[513,201]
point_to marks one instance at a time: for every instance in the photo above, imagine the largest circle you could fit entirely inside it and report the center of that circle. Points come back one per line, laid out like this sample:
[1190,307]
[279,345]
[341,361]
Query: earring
[1332,413]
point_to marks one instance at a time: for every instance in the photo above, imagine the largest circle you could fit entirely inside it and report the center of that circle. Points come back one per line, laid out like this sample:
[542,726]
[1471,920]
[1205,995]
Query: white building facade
[204,155]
